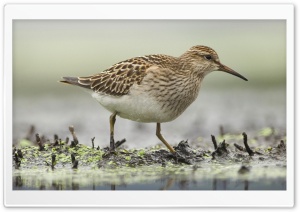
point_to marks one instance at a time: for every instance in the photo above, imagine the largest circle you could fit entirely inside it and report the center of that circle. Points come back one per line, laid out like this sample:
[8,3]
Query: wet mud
[239,162]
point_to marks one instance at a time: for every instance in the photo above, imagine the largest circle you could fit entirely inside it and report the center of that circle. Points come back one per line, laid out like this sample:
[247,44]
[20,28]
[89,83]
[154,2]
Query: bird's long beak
[230,71]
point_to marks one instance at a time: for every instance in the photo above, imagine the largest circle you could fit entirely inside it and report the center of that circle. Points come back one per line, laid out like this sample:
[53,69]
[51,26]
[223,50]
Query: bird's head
[204,60]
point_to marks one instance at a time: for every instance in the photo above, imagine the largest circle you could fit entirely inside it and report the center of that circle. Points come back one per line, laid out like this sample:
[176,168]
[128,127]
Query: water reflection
[17,182]
[238,185]
[25,182]
[246,185]
[168,184]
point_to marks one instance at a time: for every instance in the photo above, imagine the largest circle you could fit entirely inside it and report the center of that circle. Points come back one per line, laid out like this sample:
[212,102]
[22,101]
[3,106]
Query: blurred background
[46,50]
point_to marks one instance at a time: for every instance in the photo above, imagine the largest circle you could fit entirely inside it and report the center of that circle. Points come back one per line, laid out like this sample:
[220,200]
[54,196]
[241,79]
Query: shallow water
[206,177]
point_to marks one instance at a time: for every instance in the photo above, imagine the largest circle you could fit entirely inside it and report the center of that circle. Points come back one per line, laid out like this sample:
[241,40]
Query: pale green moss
[266,132]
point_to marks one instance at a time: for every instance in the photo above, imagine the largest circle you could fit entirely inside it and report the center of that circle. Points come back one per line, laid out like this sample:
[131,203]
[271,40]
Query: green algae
[98,168]
[266,131]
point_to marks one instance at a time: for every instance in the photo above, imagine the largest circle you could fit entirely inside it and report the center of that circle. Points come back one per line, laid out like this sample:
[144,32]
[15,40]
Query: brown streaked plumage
[118,79]
[154,88]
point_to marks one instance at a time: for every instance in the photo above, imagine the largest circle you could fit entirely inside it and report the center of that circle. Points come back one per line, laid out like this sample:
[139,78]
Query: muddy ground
[232,162]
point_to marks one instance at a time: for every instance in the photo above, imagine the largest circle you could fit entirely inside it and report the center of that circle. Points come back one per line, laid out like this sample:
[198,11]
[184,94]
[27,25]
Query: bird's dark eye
[208,57]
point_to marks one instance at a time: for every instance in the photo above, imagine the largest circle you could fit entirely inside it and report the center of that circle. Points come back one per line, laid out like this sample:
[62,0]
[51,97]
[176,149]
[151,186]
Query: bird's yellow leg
[112,121]
[158,134]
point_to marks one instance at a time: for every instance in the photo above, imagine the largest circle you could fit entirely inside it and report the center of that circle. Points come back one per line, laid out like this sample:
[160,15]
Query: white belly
[137,107]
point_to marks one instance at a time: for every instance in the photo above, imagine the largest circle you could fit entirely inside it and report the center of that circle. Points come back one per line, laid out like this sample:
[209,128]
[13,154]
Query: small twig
[14,150]
[245,150]
[53,161]
[39,142]
[119,143]
[17,161]
[72,158]
[67,140]
[222,131]
[60,144]
[259,153]
[74,162]
[37,137]
[93,142]
[44,140]
[30,133]
[214,141]
[221,150]
[250,152]
[71,128]
[281,145]
[56,143]
[239,147]
[18,154]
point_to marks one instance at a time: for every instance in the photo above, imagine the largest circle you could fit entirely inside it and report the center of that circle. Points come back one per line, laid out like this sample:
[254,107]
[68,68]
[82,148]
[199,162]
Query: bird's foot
[179,158]
[183,153]
[111,150]
[108,152]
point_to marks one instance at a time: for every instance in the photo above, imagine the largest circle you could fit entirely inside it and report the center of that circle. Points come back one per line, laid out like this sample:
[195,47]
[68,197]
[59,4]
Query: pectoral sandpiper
[153,88]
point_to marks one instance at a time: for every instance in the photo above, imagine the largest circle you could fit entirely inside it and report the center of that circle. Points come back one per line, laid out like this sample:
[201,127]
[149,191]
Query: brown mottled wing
[118,79]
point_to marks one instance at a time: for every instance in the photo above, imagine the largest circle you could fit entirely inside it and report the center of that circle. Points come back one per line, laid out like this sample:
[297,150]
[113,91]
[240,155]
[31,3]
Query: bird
[154,88]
